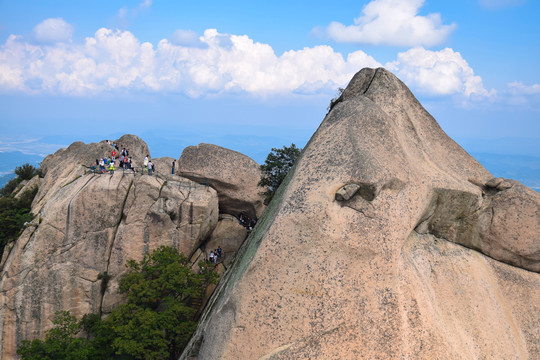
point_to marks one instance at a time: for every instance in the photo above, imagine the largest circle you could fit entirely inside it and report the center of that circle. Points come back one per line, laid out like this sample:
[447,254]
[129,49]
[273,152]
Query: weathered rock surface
[163,165]
[234,176]
[136,147]
[67,165]
[27,186]
[87,225]
[229,235]
[360,256]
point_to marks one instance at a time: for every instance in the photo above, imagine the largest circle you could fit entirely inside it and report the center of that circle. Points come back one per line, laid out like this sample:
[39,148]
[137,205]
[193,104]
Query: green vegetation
[23,172]
[276,167]
[26,171]
[14,213]
[338,98]
[155,323]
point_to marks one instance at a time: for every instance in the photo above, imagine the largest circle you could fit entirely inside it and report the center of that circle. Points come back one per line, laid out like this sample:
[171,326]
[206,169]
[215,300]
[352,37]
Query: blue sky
[254,75]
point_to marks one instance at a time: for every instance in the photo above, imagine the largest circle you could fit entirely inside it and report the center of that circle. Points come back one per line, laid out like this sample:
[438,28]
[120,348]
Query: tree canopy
[277,166]
[26,171]
[15,212]
[155,323]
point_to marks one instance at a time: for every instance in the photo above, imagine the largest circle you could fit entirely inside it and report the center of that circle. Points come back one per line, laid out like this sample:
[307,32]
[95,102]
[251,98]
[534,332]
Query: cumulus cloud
[392,22]
[114,60]
[53,30]
[443,72]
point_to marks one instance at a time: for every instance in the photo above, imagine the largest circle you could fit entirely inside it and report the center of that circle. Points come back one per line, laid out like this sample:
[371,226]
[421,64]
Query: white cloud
[517,93]
[500,4]
[518,88]
[443,72]
[114,60]
[392,22]
[187,38]
[53,30]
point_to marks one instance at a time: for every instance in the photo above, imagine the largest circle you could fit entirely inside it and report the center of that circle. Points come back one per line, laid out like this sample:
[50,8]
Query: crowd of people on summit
[121,154]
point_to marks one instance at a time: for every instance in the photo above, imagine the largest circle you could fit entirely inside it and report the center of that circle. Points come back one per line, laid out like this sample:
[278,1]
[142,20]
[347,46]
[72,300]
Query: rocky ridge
[387,240]
[88,225]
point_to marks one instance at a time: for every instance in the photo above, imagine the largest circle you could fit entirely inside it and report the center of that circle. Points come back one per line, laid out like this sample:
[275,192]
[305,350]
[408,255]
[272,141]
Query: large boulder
[67,165]
[229,234]
[234,176]
[163,165]
[136,147]
[87,226]
[385,241]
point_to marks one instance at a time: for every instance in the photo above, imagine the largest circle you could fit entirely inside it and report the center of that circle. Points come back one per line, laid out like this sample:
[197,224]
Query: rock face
[229,235]
[67,165]
[386,241]
[87,225]
[234,176]
[27,186]
[163,165]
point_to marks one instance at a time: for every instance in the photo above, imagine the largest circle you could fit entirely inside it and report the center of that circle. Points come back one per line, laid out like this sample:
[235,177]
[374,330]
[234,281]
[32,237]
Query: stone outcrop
[229,234]
[91,224]
[385,241]
[67,165]
[163,165]
[234,176]
[136,147]
[27,185]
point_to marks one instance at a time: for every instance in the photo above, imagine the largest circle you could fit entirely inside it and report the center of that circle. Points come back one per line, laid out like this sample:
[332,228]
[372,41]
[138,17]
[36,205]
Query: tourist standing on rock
[111,168]
[173,165]
[130,165]
[150,167]
[102,165]
[145,163]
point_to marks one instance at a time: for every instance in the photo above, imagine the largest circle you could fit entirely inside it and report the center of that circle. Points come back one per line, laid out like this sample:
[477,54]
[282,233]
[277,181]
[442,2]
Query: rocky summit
[88,225]
[386,241]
